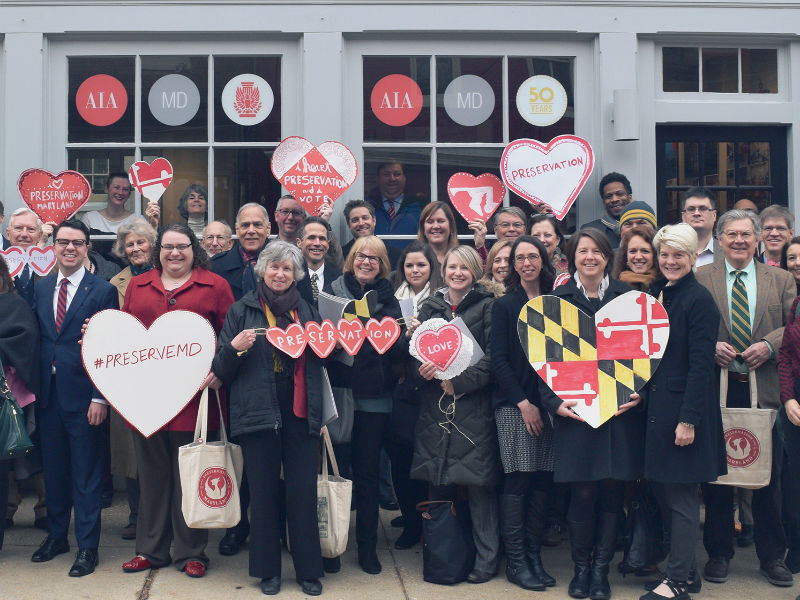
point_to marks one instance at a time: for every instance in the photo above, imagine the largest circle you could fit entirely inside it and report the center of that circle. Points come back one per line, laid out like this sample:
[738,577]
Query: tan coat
[776,290]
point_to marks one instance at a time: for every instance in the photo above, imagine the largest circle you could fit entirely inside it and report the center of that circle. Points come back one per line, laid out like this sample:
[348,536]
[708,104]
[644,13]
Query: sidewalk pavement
[227,578]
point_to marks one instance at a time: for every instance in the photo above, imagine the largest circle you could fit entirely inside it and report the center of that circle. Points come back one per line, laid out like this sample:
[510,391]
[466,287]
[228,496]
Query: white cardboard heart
[16,258]
[148,375]
[42,260]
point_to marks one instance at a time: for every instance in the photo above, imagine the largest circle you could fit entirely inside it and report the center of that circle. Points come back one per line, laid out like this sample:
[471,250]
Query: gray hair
[776,211]
[136,226]
[511,210]
[279,251]
[251,205]
[24,210]
[738,215]
[681,237]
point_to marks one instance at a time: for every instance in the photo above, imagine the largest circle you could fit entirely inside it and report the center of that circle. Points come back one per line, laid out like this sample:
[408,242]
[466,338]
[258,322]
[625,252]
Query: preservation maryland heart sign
[598,362]
[151,180]
[54,198]
[476,198]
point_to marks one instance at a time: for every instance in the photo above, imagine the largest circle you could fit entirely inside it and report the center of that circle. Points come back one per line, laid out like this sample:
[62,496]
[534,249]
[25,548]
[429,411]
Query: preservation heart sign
[54,198]
[596,362]
[552,174]
[314,175]
[476,198]
[41,260]
[322,337]
[442,343]
[148,374]
[151,180]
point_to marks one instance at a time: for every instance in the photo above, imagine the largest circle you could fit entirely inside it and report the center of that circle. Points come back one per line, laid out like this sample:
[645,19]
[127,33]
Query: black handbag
[448,550]
[646,540]
[14,440]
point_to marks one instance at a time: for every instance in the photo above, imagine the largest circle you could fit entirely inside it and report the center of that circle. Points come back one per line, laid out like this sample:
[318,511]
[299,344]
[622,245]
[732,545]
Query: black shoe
[271,585]
[478,577]
[534,534]
[599,588]
[85,562]
[368,561]
[408,539]
[680,591]
[777,573]
[49,549]
[605,544]
[398,521]
[332,565]
[230,543]
[512,532]
[581,537]
[579,586]
[391,505]
[716,570]
[41,523]
[694,586]
[129,531]
[312,587]
[746,537]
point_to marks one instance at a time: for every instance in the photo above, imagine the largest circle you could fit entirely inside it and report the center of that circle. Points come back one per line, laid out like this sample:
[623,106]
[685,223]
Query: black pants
[791,491]
[768,530]
[264,451]
[409,491]
[680,511]
[370,430]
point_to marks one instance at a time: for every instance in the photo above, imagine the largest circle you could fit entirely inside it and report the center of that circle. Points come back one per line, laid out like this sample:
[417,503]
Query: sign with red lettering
[440,342]
[291,341]
[148,375]
[42,260]
[476,198]
[396,100]
[101,100]
[552,174]
[54,198]
[382,334]
[322,337]
[15,258]
[151,180]
[314,175]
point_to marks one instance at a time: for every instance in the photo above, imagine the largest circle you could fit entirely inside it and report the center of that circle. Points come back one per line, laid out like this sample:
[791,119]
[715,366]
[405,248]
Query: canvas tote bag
[210,475]
[333,504]
[748,439]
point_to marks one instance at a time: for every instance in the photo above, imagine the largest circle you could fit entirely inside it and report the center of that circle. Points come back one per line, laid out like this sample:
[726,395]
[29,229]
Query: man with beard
[616,192]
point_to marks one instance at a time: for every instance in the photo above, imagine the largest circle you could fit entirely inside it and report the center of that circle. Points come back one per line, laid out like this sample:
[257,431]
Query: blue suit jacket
[75,389]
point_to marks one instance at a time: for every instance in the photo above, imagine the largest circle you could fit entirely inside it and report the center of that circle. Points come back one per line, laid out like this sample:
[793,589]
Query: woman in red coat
[180,280]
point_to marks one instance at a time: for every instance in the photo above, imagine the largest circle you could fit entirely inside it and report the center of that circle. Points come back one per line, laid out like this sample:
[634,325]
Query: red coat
[206,294]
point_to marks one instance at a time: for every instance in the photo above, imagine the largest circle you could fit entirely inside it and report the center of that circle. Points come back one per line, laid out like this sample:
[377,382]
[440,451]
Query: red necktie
[61,305]
[390,209]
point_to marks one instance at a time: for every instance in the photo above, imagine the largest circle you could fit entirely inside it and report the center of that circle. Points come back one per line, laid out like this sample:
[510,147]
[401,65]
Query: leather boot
[581,538]
[535,522]
[511,529]
[599,588]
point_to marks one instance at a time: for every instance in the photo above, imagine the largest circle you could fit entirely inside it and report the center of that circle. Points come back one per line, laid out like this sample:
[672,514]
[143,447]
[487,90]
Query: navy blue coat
[230,266]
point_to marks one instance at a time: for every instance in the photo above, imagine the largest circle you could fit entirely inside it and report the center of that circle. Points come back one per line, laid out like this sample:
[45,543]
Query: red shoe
[136,564]
[194,568]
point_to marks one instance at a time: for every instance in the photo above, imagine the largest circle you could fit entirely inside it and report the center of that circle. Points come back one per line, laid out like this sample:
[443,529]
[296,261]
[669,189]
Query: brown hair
[599,238]
[431,208]
[621,259]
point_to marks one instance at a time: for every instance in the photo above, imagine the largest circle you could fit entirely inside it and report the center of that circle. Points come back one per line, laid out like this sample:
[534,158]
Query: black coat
[304,285]
[684,390]
[253,400]
[615,450]
[230,266]
[444,456]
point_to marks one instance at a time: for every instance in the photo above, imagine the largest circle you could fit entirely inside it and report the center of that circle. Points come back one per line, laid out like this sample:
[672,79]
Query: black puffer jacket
[442,454]
[253,401]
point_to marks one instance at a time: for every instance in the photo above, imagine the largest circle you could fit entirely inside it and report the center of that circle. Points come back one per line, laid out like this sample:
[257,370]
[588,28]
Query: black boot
[534,530]
[581,539]
[511,530]
[599,588]
[793,541]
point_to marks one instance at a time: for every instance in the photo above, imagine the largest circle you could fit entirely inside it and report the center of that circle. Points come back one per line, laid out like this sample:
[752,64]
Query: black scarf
[280,306]
[382,286]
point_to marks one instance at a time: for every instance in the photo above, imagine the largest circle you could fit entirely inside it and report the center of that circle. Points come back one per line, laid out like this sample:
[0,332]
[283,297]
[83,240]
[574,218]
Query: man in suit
[312,239]
[616,193]
[289,215]
[699,211]
[70,407]
[24,230]
[360,217]
[754,301]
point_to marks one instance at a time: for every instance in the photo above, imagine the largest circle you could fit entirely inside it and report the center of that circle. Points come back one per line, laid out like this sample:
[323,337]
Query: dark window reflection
[242,176]
[80,68]
[475,161]
[416,168]
[491,70]
[721,70]
[194,68]
[228,67]
[95,164]
[189,165]
[759,71]
[681,69]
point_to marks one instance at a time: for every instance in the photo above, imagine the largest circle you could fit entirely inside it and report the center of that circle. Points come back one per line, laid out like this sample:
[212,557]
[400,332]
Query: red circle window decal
[101,100]
[396,100]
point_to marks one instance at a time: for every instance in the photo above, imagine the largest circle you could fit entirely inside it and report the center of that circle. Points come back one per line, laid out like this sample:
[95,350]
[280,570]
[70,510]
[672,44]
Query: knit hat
[639,210]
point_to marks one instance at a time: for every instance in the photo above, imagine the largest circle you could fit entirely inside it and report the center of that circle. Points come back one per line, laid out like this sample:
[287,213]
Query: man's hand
[152,213]
[684,435]
[97,413]
[724,355]
[756,355]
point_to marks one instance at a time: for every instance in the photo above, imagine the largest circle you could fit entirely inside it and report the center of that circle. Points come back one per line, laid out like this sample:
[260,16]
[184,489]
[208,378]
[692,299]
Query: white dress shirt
[706,255]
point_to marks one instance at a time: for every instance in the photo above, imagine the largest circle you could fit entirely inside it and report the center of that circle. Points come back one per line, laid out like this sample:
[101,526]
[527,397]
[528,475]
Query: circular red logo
[396,100]
[741,446]
[101,100]
[215,487]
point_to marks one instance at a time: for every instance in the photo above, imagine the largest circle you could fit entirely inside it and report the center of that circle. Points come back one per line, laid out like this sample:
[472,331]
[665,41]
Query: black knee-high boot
[581,538]
[599,588]
[512,521]
[535,522]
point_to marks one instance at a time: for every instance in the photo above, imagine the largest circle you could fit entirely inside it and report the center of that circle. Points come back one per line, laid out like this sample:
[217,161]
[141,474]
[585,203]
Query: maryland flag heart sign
[597,361]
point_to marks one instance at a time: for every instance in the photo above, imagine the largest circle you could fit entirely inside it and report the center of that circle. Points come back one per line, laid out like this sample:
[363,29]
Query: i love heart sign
[322,337]
[440,342]
[148,375]
[476,198]
[552,174]
[151,180]
[41,260]
[314,175]
[54,198]
[597,361]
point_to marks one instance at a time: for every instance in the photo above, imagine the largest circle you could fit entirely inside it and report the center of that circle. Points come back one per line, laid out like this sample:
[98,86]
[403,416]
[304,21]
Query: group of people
[495,434]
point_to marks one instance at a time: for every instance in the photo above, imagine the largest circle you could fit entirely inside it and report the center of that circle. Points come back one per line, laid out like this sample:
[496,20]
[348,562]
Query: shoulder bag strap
[723,388]
[753,390]
[201,425]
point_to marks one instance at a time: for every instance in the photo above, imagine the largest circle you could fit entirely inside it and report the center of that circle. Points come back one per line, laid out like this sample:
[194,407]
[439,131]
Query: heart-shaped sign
[321,337]
[54,198]
[442,343]
[476,198]
[291,341]
[314,175]
[552,174]
[351,335]
[382,334]
[598,362]
[42,260]
[148,375]
[15,258]
[151,180]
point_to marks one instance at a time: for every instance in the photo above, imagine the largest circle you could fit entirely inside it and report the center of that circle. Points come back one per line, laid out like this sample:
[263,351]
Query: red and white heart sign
[351,335]
[382,334]
[314,175]
[148,375]
[15,258]
[291,341]
[151,180]
[552,174]
[440,346]
[42,260]
[476,198]
[321,337]
[54,198]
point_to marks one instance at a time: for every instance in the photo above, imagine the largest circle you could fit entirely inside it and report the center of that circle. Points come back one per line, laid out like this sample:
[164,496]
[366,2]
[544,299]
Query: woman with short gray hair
[280,252]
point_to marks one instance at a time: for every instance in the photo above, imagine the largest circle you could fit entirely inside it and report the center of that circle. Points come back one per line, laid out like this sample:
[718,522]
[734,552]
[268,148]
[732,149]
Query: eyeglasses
[514,225]
[373,260]
[294,212]
[219,238]
[62,243]
[531,258]
[178,247]
[696,209]
[734,235]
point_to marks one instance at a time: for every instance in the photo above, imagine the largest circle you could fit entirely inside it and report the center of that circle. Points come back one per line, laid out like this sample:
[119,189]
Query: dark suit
[27,290]
[71,448]
[230,266]
[5,242]
[304,285]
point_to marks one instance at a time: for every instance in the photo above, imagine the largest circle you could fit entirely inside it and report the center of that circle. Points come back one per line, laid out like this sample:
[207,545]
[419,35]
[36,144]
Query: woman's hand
[684,435]
[532,417]
[427,370]
[244,340]
[447,386]
[793,411]
[565,410]
[152,213]
[211,381]
[410,327]
[634,401]
[478,228]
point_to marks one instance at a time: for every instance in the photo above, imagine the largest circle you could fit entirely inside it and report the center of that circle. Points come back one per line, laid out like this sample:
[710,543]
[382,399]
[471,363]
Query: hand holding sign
[151,180]
[442,344]
[40,260]
[54,198]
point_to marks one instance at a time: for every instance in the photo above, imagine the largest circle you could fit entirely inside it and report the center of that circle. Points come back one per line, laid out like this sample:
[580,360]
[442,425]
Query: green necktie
[740,314]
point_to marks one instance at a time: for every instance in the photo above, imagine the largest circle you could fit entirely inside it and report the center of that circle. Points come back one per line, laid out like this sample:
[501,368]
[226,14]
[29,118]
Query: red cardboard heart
[313,175]
[42,260]
[321,337]
[440,346]
[15,258]
[54,198]
[291,341]
[476,198]
[151,180]
[351,335]
[552,174]
[382,334]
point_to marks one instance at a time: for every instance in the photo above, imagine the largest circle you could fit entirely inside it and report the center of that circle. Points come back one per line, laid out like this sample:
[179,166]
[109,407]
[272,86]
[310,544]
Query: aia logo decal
[215,487]
[742,447]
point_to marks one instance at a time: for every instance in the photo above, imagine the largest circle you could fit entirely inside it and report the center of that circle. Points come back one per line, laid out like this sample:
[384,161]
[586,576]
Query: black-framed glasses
[373,260]
[62,243]
[295,212]
[521,258]
[178,247]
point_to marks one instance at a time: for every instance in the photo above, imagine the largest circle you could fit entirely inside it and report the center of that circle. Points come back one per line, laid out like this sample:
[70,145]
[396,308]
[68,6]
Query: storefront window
[719,70]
